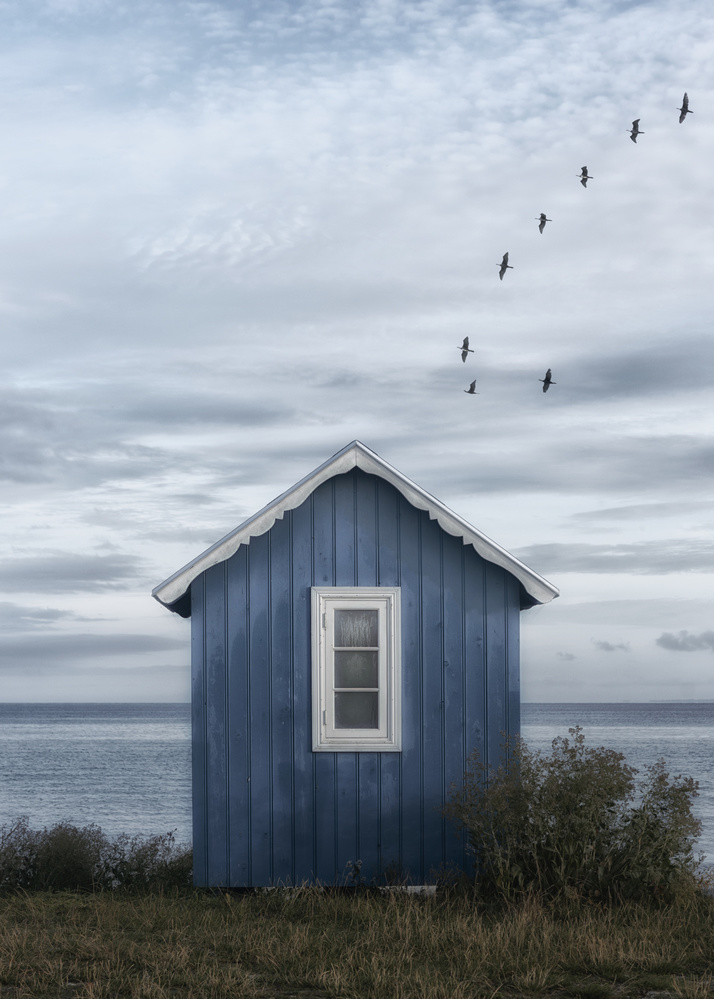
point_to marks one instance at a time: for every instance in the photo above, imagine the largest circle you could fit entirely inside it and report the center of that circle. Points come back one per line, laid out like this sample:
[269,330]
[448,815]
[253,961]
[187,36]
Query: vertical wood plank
[216,726]
[368,842]
[323,534]
[495,661]
[475,651]
[388,561]
[474,659]
[513,651]
[260,714]
[345,529]
[432,694]
[198,734]
[303,757]
[281,702]
[346,814]
[390,816]
[454,689]
[239,718]
[366,502]
[411,763]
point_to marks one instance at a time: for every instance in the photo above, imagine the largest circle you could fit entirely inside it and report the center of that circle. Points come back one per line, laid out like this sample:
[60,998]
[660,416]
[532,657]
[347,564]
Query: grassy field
[308,943]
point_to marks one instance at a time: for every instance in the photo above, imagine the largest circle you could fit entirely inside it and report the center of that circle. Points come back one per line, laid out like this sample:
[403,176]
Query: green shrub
[18,848]
[135,863]
[579,823]
[66,857]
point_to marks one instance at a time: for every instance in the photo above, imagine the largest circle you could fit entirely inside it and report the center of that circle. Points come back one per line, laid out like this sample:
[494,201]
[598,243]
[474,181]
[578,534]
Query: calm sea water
[127,767]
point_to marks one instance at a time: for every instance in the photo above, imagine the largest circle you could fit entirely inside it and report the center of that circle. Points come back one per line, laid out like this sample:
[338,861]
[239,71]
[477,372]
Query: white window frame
[325,737]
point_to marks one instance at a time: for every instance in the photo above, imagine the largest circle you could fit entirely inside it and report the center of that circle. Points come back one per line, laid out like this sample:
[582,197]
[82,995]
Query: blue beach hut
[351,644]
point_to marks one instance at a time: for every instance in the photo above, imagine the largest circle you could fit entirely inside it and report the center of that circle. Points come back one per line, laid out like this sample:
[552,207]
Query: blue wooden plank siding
[267,810]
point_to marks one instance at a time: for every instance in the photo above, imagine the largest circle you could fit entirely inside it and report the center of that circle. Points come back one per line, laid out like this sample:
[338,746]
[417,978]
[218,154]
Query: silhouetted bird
[585,177]
[547,381]
[543,221]
[471,390]
[465,350]
[504,267]
[635,130]
[684,108]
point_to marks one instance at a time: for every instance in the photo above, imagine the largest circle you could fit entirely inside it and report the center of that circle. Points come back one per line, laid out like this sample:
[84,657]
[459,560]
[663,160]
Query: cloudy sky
[238,235]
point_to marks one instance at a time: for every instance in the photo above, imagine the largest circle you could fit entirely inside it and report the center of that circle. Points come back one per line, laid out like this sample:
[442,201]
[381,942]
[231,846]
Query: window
[356,669]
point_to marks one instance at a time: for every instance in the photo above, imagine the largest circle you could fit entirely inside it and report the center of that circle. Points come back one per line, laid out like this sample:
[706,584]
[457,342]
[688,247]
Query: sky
[237,236]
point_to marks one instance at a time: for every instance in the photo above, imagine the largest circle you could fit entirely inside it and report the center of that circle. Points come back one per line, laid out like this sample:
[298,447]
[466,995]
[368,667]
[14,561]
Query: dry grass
[309,944]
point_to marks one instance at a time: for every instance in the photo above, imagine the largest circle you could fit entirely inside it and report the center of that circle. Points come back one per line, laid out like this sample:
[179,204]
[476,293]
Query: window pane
[356,669]
[358,628]
[360,710]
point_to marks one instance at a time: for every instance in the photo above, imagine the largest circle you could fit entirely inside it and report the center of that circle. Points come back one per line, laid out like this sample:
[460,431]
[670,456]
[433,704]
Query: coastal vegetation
[311,943]
[585,884]
[68,858]
[578,823]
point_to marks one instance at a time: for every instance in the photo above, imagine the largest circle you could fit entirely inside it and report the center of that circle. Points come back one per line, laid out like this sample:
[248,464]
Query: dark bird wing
[504,262]
[636,125]
[465,344]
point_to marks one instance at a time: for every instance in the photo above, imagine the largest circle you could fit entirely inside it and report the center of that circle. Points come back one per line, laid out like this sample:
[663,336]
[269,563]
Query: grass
[586,888]
[307,943]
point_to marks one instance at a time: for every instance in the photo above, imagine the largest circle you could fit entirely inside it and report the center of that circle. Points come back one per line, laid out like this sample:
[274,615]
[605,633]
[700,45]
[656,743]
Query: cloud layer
[238,236]
[684,642]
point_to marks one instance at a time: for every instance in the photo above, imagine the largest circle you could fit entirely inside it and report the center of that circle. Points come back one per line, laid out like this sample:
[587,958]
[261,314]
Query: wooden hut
[351,644]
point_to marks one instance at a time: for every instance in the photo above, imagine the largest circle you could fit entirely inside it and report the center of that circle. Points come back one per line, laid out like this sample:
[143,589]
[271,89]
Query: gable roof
[354,455]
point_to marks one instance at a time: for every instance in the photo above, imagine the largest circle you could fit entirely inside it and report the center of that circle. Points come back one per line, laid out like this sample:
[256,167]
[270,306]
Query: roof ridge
[353,455]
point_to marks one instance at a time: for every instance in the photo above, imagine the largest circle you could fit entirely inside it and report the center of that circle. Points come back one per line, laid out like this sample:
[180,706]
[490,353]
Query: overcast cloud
[684,642]
[236,237]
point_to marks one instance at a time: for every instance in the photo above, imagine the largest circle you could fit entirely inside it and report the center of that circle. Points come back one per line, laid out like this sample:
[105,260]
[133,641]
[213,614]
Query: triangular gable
[355,455]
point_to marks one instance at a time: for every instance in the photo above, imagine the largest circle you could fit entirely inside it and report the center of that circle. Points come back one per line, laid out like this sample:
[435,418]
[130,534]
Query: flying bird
[585,177]
[547,381]
[635,130]
[684,108]
[465,350]
[543,221]
[504,267]
[471,390]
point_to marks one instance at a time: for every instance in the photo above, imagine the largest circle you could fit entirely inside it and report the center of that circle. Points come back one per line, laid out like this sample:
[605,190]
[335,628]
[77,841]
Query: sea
[127,767]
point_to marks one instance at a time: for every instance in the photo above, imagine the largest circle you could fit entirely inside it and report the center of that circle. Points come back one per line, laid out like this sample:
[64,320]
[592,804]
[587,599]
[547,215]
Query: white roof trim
[355,455]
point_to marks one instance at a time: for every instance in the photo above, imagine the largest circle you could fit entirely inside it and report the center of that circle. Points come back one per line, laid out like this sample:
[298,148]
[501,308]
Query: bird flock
[504,266]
